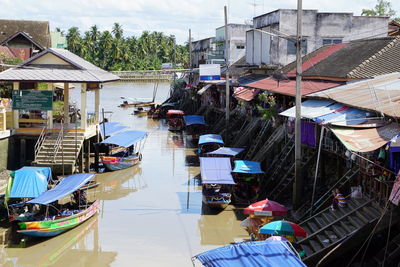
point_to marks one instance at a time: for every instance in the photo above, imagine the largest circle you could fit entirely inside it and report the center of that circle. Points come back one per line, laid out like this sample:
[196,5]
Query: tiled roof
[343,63]
[380,94]
[38,30]
[288,87]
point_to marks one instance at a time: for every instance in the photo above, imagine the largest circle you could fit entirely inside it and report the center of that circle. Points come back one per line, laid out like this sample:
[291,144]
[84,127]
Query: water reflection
[80,244]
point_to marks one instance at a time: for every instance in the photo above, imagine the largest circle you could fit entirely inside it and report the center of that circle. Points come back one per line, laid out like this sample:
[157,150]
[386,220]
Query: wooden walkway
[146,75]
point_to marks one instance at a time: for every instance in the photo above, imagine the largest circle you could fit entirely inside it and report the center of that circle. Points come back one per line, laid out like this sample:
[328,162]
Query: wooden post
[15,111]
[82,157]
[97,105]
[83,106]
[50,112]
[87,162]
[22,152]
[66,103]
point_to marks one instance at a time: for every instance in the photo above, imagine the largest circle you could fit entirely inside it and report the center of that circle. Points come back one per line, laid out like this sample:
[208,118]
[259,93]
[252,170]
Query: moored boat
[124,150]
[67,216]
[217,181]
[195,126]
[175,119]
[208,143]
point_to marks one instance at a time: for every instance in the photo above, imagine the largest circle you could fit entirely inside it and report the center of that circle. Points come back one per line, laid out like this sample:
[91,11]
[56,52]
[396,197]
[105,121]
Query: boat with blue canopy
[257,253]
[217,181]
[25,183]
[53,218]
[123,150]
[247,175]
[226,151]
[110,128]
[195,125]
[209,142]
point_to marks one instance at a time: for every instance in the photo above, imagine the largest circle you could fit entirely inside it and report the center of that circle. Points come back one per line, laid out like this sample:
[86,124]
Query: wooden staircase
[329,228]
[58,149]
[257,142]
[275,137]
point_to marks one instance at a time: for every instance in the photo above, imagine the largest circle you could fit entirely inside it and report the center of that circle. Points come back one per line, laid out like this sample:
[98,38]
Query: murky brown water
[151,214]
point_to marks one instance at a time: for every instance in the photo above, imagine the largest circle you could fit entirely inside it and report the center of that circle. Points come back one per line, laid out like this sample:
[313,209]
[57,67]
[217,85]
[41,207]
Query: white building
[318,29]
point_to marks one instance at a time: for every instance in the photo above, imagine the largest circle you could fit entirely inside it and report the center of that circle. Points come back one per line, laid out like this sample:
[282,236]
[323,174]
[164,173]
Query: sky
[173,17]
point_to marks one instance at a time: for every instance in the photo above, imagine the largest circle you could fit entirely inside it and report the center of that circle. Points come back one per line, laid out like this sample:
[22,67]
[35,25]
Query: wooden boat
[195,126]
[89,185]
[123,150]
[175,119]
[217,181]
[53,227]
[208,143]
[67,216]
[140,111]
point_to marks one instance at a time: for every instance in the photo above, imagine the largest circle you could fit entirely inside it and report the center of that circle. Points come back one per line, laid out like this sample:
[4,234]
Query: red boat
[175,119]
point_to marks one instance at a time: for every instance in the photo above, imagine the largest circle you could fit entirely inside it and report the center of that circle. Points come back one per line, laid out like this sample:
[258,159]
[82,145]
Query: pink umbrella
[277,238]
[266,208]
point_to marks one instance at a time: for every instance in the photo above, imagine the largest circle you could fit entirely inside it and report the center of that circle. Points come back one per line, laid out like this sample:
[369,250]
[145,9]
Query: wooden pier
[146,75]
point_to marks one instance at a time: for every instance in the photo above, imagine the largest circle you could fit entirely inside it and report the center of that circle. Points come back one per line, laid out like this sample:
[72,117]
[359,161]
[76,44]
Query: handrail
[59,141]
[40,140]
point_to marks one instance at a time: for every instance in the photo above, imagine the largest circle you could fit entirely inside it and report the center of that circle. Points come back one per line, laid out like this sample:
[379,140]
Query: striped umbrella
[283,228]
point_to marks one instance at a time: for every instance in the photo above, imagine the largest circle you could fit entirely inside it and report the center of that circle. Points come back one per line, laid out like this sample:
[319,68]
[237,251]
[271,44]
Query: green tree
[382,8]
[74,40]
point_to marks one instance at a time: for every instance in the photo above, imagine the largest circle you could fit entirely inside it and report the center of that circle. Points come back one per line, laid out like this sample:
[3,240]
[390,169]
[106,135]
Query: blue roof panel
[125,139]
[30,182]
[194,119]
[246,166]
[210,138]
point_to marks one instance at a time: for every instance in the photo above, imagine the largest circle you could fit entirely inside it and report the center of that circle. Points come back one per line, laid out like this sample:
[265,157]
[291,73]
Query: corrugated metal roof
[85,72]
[381,94]
[288,87]
[245,94]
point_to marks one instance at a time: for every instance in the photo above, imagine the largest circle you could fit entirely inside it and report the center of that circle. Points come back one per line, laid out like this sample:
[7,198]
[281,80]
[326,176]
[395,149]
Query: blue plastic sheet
[194,119]
[111,128]
[347,116]
[210,138]
[30,182]
[67,186]
[247,166]
[229,151]
[216,170]
[125,139]
[259,253]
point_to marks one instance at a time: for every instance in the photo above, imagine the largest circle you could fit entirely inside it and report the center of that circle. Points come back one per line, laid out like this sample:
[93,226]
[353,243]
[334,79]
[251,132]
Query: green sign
[32,99]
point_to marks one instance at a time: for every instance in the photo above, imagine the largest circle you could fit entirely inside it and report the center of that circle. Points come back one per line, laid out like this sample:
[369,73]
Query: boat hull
[216,202]
[122,163]
[55,227]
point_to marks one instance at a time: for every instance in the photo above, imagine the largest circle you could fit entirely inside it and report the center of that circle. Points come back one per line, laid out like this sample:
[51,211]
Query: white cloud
[170,16]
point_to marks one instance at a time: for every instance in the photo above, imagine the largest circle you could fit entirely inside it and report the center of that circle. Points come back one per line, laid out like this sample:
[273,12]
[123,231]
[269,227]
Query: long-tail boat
[208,143]
[124,150]
[49,225]
[195,126]
[217,181]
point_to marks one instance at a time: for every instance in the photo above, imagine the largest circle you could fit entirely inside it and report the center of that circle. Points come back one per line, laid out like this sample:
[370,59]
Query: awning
[247,166]
[256,253]
[125,139]
[210,138]
[328,112]
[245,94]
[67,186]
[288,87]
[111,128]
[194,119]
[202,90]
[30,182]
[229,151]
[216,171]
[365,140]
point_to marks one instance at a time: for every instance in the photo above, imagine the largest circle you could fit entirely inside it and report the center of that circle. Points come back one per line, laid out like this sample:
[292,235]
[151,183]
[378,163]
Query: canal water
[151,214]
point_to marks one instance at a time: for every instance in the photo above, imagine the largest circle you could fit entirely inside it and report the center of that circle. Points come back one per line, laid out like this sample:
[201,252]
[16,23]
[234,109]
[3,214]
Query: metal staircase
[329,228]
[254,145]
[275,137]
[58,149]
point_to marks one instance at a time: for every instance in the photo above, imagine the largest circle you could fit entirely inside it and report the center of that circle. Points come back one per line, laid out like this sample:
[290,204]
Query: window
[327,41]
[240,47]
[291,47]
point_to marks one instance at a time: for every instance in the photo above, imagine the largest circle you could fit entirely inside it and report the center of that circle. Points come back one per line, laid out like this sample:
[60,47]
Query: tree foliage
[113,51]
[382,8]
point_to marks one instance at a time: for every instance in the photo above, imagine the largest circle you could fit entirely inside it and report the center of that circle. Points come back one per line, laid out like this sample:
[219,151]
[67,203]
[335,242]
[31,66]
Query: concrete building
[318,29]
[58,40]
[202,50]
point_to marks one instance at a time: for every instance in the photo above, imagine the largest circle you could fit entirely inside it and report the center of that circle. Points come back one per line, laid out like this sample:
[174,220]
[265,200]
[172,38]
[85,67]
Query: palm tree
[74,40]
[117,31]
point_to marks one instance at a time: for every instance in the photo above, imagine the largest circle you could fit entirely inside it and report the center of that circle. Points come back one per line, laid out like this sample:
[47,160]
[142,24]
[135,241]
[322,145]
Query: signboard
[210,72]
[266,213]
[395,194]
[32,100]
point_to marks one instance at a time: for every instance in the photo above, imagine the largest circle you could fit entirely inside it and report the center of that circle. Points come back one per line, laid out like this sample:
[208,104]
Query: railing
[375,188]
[59,142]
[40,140]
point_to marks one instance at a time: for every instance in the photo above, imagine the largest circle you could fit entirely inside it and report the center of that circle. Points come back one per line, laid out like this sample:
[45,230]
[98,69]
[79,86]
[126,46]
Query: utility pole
[298,184]
[227,91]
[190,49]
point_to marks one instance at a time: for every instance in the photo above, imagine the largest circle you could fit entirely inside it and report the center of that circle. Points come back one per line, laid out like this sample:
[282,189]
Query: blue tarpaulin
[267,253]
[194,119]
[125,139]
[216,170]
[67,186]
[344,116]
[210,138]
[30,182]
[229,151]
[246,166]
[111,128]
